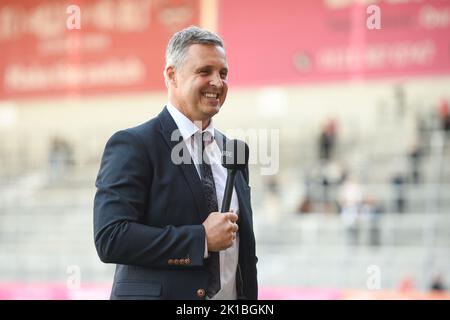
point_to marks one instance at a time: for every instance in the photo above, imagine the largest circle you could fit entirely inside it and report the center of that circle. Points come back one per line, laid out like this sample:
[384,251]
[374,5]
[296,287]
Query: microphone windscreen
[235,155]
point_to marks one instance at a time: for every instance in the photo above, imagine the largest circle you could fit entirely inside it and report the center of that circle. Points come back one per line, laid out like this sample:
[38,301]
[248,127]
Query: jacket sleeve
[121,200]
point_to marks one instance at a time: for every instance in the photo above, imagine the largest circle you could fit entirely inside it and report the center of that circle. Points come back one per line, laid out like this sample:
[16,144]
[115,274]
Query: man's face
[199,86]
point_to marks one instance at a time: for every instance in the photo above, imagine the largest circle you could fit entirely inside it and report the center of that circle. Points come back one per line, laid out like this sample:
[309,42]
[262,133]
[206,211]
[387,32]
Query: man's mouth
[211,95]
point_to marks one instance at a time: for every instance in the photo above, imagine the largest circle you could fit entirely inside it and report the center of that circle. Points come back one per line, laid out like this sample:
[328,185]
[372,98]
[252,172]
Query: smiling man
[157,218]
[198,86]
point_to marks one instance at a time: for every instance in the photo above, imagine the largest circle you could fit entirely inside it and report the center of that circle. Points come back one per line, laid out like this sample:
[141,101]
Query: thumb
[232,216]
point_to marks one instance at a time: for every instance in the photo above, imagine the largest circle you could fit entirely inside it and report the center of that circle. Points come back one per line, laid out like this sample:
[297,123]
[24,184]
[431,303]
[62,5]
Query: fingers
[232,227]
[234,230]
[221,230]
[233,217]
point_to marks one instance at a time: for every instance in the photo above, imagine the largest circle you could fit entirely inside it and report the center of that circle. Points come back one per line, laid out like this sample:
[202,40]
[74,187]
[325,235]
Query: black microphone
[234,158]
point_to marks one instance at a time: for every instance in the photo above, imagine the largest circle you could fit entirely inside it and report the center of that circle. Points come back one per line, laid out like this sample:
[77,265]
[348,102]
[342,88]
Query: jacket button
[200,293]
[181,261]
[187,261]
[170,261]
[176,261]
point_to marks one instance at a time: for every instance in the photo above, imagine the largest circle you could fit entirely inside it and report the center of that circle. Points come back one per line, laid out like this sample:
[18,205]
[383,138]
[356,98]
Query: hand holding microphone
[221,227]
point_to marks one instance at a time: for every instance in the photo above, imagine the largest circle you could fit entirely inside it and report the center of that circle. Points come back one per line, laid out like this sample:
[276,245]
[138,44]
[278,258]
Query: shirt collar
[185,125]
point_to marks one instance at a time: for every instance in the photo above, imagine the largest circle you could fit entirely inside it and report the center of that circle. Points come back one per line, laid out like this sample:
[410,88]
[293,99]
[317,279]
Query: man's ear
[171,75]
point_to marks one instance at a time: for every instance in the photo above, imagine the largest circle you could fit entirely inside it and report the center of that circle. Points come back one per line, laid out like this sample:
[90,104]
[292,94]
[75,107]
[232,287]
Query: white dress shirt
[228,257]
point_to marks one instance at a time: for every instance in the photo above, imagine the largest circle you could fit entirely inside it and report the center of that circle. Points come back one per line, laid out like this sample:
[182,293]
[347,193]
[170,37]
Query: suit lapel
[242,197]
[168,126]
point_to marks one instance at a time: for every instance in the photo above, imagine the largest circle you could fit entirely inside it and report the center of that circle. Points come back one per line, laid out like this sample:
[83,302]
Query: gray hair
[181,41]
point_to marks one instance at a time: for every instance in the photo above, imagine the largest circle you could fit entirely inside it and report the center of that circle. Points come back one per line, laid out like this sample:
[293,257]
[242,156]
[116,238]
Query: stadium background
[359,207]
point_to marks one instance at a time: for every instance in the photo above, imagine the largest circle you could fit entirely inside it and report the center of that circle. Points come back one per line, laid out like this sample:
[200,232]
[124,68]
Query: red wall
[291,41]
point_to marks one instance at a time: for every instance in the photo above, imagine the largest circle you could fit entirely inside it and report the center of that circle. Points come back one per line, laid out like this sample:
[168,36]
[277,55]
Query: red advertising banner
[118,47]
[292,41]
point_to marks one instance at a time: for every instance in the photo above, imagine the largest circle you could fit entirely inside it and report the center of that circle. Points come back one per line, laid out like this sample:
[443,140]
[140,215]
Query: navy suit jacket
[148,215]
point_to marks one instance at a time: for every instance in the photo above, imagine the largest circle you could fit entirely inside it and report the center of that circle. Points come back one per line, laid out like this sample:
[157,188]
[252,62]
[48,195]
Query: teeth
[210,95]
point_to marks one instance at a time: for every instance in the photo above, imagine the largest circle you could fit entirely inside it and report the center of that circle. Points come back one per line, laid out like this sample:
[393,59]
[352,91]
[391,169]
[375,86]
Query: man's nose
[216,81]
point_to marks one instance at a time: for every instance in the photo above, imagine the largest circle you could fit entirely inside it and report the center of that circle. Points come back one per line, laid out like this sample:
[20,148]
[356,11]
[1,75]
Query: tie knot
[207,137]
[203,138]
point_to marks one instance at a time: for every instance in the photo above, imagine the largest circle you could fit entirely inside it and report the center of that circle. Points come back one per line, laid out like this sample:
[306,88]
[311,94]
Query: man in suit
[160,184]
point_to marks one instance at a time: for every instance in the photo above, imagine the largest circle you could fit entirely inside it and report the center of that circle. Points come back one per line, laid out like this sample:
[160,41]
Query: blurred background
[352,98]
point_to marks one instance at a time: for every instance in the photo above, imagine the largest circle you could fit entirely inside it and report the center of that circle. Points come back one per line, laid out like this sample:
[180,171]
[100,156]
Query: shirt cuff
[206,255]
